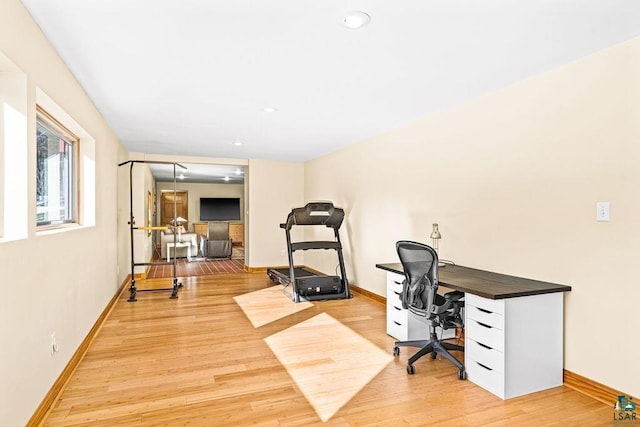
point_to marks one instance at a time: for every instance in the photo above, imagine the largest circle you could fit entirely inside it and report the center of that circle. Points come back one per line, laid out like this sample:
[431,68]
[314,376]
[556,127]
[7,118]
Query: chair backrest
[420,265]
[218,230]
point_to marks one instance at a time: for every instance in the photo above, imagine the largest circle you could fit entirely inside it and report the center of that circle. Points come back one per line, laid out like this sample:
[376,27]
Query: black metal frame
[132,226]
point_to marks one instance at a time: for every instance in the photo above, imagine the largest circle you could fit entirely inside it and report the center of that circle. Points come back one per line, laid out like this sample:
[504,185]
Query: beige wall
[122,217]
[196,191]
[513,179]
[143,184]
[56,282]
[274,188]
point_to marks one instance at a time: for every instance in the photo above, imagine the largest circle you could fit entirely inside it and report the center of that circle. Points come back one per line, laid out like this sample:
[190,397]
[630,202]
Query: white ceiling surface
[190,77]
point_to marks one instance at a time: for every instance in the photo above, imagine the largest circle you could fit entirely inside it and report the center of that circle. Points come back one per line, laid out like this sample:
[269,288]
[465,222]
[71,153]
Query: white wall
[513,179]
[13,151]
[58,282]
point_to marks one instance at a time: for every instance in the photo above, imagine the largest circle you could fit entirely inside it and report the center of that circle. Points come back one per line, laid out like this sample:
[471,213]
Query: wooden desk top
[486,283]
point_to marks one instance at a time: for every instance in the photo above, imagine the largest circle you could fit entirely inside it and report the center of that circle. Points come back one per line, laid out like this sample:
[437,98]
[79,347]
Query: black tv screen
[219,209]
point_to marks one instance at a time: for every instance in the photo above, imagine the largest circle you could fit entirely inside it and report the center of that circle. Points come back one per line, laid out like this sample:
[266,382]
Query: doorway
[166,206]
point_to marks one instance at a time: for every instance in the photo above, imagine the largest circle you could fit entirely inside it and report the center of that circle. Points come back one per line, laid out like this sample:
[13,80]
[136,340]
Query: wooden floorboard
[199,361]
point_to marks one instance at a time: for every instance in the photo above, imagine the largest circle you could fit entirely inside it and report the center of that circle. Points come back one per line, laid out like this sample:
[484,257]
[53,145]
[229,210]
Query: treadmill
[308,284]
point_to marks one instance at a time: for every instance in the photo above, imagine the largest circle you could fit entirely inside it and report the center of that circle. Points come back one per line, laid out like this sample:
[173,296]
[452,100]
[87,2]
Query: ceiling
[192,77]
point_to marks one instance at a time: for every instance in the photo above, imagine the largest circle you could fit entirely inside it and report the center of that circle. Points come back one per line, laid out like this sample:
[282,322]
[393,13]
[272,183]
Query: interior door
[166,203]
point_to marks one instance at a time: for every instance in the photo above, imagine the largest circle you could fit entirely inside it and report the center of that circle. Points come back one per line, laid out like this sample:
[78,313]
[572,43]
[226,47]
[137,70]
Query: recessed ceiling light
[270,109]
[226,178]
[181,176]
[238,172]
[237,143]
[355,19]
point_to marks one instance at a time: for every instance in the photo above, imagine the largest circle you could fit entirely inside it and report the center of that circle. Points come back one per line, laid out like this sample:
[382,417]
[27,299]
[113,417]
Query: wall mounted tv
[219,209]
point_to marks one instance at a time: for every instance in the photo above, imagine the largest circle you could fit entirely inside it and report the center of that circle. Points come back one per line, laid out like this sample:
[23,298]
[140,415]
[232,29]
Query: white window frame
[70,176]
[86,168]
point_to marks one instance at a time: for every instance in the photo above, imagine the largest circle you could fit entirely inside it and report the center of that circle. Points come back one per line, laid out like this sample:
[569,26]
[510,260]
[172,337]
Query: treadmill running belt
[298,271]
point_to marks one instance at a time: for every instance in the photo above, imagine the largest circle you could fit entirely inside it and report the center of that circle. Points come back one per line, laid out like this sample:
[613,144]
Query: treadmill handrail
[303,246]
[315,213]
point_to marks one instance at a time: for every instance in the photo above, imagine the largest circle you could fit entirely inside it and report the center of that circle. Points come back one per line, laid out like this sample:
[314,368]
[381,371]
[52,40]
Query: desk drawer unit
[401,324]
[513,346]
[484,343]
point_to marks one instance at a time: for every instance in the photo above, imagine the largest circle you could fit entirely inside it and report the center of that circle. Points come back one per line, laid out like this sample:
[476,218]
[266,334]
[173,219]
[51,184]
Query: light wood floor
[199,361]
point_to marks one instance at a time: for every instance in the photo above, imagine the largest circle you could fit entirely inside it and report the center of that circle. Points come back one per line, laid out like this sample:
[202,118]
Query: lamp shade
[435,233]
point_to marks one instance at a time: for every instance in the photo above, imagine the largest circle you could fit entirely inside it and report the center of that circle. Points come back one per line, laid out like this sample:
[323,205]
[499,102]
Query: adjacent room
[457,179]
[207,200]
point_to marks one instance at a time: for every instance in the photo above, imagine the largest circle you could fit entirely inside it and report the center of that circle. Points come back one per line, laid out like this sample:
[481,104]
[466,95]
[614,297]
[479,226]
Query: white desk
[513,329]
[178,245]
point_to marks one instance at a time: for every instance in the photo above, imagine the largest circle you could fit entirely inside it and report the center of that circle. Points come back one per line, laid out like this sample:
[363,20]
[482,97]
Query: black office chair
[419,296]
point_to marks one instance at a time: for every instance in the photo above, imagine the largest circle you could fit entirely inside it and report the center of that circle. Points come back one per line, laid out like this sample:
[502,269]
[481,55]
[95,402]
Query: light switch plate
[603,211]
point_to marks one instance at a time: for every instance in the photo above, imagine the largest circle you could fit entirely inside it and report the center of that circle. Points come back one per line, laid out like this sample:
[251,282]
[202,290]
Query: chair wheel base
[396,351]
[462,375]
[411,370]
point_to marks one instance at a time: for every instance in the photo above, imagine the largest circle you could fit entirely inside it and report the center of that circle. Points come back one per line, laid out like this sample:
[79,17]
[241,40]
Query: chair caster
[396,351]
[434,355]
[411,370]
[462,375]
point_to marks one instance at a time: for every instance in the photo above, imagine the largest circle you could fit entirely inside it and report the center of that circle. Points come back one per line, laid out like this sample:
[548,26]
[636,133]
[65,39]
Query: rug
[185,268]
[329,362]
[267,305]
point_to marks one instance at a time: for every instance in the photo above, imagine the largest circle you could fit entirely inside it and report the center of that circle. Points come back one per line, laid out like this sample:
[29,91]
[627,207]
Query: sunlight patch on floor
[343,362]
[268,305]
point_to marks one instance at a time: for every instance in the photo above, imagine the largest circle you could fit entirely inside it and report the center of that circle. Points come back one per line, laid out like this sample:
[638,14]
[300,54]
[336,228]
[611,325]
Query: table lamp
[435,238]
[178,222]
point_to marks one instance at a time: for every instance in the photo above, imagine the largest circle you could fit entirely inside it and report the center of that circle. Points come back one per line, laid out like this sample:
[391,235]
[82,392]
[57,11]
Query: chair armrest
[454,296]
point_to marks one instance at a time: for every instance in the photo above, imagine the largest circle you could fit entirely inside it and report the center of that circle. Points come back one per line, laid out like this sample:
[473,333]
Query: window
[57,172]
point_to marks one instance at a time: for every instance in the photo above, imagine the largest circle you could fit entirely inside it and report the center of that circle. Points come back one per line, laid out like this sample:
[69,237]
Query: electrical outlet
[54,344]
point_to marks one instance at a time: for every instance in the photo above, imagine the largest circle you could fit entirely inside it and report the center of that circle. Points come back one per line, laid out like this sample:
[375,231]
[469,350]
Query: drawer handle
[484,345]
[399,324]
[485,367]
[399,309]
[483,324]
[397,293]
[484,310]
[397,283]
